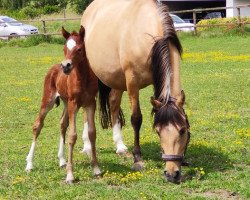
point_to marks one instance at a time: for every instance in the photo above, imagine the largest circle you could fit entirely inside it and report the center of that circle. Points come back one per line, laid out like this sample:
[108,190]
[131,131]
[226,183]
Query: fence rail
[239,23]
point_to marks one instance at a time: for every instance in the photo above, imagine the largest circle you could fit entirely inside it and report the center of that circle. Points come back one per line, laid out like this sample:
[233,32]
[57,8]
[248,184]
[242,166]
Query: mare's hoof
[97,176]
[138,166]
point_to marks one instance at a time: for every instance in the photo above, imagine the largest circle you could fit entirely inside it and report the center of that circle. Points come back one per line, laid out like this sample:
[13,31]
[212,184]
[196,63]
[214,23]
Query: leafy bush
[50,9]
[30,12]
[232,28]
[232,23]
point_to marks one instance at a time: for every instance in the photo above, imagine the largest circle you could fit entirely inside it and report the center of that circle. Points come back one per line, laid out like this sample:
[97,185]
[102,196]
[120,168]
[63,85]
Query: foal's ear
[156,104]
[65,33]
[181,99]
[82,32]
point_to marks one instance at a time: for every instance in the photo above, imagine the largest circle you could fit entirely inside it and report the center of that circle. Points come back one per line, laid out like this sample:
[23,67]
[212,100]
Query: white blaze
[71,44]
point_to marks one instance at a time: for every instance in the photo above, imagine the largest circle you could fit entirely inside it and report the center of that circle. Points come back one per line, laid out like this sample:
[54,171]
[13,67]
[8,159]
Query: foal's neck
[81,68]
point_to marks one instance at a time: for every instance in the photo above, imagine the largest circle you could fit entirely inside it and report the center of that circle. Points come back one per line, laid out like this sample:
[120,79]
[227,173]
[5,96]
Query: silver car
[12,27]
[181,25]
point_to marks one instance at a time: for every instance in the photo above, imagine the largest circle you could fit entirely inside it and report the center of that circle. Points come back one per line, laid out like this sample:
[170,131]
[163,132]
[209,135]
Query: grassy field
[215,77]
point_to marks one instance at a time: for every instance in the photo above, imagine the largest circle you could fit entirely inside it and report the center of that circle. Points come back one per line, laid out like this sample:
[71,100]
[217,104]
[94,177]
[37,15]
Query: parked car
[181,25]
[212,15]
[12,27]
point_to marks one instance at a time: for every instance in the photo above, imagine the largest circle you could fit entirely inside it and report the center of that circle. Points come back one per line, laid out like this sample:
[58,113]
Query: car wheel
[13,35]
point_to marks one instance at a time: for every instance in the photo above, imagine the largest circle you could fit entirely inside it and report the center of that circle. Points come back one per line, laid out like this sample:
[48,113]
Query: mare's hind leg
[47,104]
[136,117]
[117,121]
[64,125]
[90,111]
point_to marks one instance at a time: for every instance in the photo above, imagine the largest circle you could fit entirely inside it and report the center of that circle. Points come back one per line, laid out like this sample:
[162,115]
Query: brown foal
[75,83]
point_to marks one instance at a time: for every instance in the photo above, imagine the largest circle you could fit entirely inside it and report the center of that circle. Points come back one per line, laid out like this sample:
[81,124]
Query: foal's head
[172,126]
[74,49]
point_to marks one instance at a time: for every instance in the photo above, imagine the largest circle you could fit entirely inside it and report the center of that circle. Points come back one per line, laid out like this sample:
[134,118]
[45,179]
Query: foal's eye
[79,50]
[182,131]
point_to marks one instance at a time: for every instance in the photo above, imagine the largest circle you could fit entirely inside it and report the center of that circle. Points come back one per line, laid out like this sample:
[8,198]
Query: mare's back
[115,27]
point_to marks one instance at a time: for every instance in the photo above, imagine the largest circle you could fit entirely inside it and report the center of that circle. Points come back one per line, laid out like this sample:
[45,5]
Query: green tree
[80,5]
[13,4]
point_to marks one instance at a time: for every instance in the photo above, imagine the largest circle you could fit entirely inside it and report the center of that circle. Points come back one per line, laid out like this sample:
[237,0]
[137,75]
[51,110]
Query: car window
[177,20]
[11,21]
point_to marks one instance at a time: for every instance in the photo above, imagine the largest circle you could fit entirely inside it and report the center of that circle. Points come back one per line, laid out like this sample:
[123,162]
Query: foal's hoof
[69,182]
[62,163]
[86,151]
[69,178]
[29,167]
[28,170]
[97,172]
[138,166]
[122,150]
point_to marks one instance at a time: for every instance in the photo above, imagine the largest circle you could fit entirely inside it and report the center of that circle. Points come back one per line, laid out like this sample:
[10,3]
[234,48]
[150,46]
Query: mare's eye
[182,131]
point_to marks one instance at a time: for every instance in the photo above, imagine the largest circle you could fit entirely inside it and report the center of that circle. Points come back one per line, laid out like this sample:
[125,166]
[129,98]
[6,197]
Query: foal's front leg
[72,111]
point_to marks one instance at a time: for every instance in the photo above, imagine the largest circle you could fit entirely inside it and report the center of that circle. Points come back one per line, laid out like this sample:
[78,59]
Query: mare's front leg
[90,112]
[115,97]
[136,117]
[72,111]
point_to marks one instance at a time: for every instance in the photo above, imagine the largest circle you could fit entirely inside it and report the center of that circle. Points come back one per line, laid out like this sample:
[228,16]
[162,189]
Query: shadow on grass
[197,156]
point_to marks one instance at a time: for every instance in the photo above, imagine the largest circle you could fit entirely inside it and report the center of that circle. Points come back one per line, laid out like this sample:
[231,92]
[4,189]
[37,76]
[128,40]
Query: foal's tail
[104,107]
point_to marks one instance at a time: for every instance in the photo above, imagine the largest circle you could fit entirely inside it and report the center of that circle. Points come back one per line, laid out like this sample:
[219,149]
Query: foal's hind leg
[64,125]
[72,111]
[115,102]
[90,111]
[47,104]
[85,137]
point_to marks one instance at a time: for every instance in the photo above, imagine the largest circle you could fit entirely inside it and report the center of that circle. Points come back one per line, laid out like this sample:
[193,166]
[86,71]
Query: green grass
[215,77]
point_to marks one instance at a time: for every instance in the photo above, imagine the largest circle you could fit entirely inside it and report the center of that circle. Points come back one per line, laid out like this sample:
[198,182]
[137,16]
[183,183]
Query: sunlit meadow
[215,77]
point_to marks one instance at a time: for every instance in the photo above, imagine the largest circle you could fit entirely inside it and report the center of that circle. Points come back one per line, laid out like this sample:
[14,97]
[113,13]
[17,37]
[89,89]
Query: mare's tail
[104,107]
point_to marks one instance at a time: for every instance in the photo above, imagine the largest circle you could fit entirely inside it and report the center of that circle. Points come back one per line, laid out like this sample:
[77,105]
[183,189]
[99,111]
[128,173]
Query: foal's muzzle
[66,66]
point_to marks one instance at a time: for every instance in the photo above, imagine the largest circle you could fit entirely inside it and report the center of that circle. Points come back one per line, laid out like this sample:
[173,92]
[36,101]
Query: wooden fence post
[44,26]
[238,16]
[194,21]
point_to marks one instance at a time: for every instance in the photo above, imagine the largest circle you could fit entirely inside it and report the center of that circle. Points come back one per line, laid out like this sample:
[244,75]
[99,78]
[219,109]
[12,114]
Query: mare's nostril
[176,175]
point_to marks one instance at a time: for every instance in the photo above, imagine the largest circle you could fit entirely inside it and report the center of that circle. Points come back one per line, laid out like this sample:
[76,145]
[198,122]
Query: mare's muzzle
[66,66]
[174,177]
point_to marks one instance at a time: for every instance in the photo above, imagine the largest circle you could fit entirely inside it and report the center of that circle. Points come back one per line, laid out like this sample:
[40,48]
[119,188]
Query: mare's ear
[181,99]
[156,104]
[82,32]
[65,33]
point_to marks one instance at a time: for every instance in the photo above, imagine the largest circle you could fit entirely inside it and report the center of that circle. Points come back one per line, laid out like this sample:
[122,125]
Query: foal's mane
[161,71]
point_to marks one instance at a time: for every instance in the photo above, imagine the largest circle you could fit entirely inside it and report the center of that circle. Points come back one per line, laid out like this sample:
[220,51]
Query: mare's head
[172,126]
[74,49]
